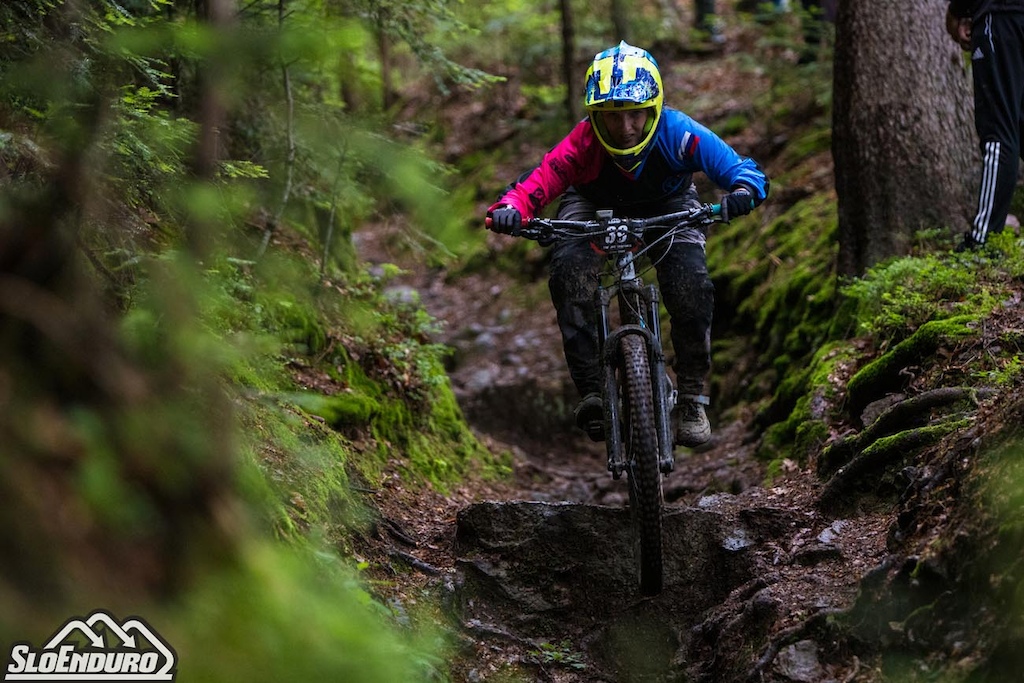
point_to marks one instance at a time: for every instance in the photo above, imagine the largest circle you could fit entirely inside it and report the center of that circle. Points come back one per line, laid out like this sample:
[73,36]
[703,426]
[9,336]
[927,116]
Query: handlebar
[612,233]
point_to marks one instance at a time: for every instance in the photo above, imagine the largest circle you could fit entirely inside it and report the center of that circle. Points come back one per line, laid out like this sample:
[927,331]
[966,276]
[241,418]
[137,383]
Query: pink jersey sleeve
[576,159]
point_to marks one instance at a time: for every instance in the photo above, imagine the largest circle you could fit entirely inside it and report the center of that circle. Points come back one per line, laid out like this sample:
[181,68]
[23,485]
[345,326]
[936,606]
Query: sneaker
[692,426]
[715,36]
[710,32]
[589,416]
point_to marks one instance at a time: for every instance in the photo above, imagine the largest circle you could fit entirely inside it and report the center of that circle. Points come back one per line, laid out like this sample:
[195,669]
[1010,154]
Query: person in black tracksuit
[993,32]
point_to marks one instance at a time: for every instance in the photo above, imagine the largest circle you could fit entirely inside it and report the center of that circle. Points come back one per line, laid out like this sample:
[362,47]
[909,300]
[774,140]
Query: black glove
[506,220]
[737,203]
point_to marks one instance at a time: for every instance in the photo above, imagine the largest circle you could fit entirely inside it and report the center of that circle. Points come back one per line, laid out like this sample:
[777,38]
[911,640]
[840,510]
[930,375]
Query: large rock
[549,572]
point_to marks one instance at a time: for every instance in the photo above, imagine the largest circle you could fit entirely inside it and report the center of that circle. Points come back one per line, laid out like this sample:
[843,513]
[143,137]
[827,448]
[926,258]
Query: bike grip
[716,209]
[489,222]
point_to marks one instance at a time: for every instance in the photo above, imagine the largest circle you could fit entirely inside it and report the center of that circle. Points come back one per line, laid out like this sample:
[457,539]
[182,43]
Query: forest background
[201,379]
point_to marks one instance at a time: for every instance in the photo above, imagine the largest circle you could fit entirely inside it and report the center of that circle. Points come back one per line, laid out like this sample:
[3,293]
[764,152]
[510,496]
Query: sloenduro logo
[134,653]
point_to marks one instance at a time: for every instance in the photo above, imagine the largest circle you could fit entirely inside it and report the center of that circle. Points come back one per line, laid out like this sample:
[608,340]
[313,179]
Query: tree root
[817,621]
[911,412]
[414,562]
[884,375]
[883,451]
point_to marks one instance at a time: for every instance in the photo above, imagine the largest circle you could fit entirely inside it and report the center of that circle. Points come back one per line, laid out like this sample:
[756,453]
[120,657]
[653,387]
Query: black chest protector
[613,189]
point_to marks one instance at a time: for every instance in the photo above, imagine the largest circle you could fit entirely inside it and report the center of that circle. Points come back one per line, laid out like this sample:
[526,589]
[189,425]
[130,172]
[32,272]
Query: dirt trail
[509,375]
[806,563]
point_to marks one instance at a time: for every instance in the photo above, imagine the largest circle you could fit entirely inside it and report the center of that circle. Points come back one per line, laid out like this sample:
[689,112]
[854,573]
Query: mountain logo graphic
[96,648]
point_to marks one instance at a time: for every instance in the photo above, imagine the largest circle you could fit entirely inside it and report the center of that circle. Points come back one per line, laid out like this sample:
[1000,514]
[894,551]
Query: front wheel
[641,435]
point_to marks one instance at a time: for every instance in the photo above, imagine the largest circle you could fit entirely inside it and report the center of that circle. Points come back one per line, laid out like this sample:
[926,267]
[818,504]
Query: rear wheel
[641,435]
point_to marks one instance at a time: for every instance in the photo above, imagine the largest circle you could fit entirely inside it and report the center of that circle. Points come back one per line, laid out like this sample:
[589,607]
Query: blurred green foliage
[206,439]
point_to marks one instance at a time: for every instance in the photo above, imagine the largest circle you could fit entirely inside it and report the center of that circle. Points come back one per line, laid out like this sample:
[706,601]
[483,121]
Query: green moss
[883,375]
[896,297]
[805,404]
[305,463]
[775,286]
[341,410]
[292,614]
[810,436]
[910,440]
[815,141]
[381,386]
[937,296]
[734,125]
[433,444]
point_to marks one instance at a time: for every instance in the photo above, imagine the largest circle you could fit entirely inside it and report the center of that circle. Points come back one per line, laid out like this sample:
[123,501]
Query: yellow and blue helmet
[621,78]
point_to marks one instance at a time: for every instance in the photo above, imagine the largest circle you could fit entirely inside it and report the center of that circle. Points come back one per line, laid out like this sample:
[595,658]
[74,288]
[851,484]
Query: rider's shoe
[589,416]
[691,421]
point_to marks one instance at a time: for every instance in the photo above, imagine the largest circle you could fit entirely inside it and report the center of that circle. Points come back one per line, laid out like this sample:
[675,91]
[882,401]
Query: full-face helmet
[624,78]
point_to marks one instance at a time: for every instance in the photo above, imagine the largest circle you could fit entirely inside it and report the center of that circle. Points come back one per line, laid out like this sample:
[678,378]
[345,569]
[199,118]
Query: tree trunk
[219,15]
[384,49]
[620,20]
[903,132]
[572,96]
[671,15]
[289,162]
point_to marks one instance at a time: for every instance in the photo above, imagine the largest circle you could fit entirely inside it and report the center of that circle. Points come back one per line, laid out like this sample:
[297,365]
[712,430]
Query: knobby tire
[645,494]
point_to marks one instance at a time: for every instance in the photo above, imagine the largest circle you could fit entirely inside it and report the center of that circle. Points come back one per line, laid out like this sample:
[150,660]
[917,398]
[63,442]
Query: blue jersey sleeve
[692,147]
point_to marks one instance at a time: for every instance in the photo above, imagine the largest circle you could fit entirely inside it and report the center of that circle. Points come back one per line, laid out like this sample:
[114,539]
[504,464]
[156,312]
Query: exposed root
[414,562]
[787,636]
[912,412]
[881,453]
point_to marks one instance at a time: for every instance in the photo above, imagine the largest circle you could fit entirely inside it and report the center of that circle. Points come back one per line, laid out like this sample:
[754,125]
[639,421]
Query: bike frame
[639,315]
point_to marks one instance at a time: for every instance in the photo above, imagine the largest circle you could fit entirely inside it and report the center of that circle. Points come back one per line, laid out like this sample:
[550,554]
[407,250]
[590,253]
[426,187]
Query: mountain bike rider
[637,157]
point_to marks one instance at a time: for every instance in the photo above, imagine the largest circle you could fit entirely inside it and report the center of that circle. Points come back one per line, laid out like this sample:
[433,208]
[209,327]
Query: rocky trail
[538,569]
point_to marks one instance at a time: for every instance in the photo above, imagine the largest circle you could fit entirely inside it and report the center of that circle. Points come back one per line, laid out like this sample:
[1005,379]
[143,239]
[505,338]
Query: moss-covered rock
[342,410]
[806,403]
[775,290]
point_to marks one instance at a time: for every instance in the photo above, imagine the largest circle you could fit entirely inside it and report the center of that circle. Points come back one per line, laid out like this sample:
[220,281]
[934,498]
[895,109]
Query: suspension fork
[608,353]
[608,348]
[647,325]
[664,392]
